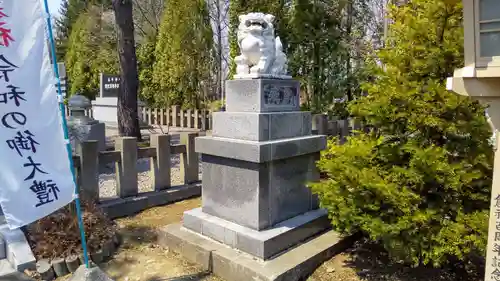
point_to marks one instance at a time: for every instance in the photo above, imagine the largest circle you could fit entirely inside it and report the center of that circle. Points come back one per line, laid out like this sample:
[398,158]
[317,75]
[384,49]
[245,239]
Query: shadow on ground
[134,235]
[371,263]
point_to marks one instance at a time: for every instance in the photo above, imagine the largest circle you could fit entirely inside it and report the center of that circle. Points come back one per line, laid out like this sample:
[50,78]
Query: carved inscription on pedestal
[280,96]
[494,274]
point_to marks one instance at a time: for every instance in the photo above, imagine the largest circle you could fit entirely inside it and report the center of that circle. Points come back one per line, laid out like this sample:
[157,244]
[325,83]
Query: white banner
[35,175]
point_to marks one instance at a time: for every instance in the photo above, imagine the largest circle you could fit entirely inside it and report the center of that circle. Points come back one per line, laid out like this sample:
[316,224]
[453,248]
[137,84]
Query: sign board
[110,86]
[35,177]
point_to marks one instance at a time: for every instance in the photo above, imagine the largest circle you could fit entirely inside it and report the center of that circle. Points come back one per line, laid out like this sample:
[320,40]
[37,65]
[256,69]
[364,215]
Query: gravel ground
[107,176]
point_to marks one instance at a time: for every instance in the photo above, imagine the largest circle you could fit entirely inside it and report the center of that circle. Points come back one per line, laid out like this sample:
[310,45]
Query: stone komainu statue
[261,53]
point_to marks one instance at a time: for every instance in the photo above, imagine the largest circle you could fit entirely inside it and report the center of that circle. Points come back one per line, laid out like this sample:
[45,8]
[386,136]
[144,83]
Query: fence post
[183,124]
[126,171]
[335,128]
[162,117]
[196,119]
[345,130]
[209,121]
[89,169]
[204,120]
[320,124]
[189,115]
[160,164]
[143,113]
[155,119]
[168,115]
[189,160]
[175,111]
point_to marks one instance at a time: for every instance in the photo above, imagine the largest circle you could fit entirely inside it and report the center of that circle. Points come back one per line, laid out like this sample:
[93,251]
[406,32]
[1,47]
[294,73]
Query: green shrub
[420,182]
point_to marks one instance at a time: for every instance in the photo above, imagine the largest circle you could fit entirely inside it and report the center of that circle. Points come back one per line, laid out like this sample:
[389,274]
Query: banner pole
[66,135]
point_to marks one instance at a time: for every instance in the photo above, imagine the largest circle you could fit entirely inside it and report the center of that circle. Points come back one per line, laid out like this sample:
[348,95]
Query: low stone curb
[49,270]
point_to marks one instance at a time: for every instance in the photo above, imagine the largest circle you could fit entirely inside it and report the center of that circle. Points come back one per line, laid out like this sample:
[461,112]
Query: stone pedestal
[255,167]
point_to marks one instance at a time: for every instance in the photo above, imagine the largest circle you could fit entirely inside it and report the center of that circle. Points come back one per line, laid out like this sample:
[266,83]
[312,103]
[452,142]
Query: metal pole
[66,138]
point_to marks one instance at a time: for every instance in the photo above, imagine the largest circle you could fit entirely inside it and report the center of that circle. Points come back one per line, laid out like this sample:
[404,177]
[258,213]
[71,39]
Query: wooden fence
[176,117]
[202,120]
[88,160]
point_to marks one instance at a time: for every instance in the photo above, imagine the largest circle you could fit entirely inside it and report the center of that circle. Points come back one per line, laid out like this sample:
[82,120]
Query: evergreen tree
[62,26]
[183,53]
[315,51]
[69,12]
[420,182]
[145,59]
[91,50]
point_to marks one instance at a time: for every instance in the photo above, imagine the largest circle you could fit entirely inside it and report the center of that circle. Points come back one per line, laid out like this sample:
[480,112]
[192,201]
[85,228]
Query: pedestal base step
[262,244]
[233,265]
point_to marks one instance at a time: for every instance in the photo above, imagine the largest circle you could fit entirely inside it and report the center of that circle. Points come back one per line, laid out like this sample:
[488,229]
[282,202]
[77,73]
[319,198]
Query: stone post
[320,124]
[189,160]
[89,169]
[160,164]
[126,171]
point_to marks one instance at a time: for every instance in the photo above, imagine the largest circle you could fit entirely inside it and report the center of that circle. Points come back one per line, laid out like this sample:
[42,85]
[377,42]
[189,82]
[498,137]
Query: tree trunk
[350,11]
[128,117]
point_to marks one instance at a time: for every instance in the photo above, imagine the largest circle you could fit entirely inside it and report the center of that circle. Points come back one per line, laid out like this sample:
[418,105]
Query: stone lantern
[82,127]
[78,105]
[480,79]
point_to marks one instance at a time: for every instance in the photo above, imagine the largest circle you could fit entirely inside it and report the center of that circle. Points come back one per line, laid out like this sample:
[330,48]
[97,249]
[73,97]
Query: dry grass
[58,234]
[141,258]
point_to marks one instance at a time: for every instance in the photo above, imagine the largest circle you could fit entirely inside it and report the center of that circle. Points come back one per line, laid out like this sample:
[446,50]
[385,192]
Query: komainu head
[257,24]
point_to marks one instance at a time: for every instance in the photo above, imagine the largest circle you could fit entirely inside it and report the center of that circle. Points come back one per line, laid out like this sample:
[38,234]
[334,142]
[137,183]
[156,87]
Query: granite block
[262,95]
[18,251]
[289,125]
[257,195]
[231,190]
[266,243]
[240,125]
[289,196]
[260,151]
[3,253]
[261,126]
[234,265]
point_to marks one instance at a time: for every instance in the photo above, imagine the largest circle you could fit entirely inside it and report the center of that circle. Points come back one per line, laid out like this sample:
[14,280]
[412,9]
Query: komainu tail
[279,45]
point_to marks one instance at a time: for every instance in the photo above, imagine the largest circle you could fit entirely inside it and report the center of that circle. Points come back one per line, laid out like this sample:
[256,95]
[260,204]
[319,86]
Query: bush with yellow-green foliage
[420,182]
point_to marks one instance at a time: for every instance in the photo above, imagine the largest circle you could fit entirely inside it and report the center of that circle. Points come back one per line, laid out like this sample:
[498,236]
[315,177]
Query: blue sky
[54,6]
